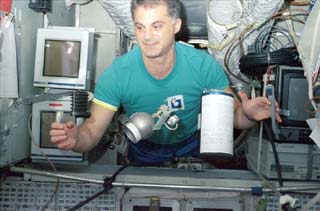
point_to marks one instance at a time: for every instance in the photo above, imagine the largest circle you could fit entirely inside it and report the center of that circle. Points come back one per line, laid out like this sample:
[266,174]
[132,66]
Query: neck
[160,67]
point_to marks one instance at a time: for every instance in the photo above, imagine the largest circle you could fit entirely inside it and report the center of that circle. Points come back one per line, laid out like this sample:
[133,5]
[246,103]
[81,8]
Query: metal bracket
[284,112]
[44,97]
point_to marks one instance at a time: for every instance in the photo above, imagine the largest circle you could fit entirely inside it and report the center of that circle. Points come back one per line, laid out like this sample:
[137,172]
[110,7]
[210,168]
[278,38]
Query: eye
[139,27]
[157,26]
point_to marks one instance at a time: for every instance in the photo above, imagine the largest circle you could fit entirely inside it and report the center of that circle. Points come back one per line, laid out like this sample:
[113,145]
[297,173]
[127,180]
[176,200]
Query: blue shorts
[146,153]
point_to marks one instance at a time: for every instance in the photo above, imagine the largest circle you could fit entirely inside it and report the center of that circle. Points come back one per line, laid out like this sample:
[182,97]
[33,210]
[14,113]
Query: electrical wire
[315,76]
[290,23]
[284,56]
[309,103]
[299,3]
[247,31]
[292,17]
[240,139]
[49,161]
[269,34]
[275,153]
[126,189]
[264,180]
[107,186]
[229,52]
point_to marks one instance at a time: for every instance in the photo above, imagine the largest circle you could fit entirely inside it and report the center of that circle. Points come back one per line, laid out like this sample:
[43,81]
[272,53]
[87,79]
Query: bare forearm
[241,120]
[86,140]
[93,128]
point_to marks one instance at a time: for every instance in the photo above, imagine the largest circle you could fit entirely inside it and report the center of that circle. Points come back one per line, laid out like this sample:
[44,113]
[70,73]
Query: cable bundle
[283,56]
[271,39]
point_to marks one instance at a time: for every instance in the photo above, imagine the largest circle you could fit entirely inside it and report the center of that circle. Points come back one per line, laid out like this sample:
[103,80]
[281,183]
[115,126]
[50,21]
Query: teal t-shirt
[128,83]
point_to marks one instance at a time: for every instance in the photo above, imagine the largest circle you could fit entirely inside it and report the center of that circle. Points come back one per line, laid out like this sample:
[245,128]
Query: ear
[177,25]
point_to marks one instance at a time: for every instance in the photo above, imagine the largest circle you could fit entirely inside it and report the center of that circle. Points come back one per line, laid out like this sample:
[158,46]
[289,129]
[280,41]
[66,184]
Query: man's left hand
[258,108]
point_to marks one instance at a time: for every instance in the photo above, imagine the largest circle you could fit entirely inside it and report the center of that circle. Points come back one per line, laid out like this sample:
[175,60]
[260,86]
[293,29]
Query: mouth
[149,44]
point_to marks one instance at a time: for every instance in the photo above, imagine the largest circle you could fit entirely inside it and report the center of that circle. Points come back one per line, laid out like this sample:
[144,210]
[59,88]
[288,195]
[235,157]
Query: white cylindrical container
[216,133]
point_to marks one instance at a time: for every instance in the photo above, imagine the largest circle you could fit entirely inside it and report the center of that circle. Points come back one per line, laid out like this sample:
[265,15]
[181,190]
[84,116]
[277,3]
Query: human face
[155,30]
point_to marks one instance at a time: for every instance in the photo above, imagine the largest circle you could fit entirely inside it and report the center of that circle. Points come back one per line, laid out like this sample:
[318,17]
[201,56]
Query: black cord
[284,56]
[268,50]
[275,153]
[267,36]
[107,186]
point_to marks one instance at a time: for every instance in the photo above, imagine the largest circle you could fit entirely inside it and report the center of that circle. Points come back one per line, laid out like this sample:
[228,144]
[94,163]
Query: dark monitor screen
[292,91]
[46,118]
[147,208]
[61,58]
[297,98]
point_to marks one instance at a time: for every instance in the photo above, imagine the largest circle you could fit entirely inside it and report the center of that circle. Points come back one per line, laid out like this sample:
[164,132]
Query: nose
[148,33]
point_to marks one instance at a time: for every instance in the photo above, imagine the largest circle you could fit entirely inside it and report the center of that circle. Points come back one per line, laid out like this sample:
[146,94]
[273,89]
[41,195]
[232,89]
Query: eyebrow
[138,23]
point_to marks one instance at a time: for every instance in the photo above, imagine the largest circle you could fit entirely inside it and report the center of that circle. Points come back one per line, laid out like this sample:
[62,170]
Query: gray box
[297,161]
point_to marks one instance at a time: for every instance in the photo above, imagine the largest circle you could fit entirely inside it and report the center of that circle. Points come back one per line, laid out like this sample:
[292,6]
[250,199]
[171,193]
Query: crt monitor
[292,90]
[63,58]
[43,114]
[292,95]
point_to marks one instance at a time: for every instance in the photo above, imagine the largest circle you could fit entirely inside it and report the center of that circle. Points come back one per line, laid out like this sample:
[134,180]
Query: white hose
[227,19]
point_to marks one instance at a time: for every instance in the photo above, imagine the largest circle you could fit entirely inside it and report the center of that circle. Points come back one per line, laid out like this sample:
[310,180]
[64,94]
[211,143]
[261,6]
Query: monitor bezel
[51,153]
[283,76]
[83,35]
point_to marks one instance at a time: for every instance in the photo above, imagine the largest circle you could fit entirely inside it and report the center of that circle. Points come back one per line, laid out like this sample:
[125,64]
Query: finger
[64,145]
[57,139]
[57,132]
[264,115]
[278,118]
[70,125]
[263,101]
[56,125]
[67,145]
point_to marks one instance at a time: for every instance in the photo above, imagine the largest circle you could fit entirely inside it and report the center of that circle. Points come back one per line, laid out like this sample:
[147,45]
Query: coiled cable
[284,56]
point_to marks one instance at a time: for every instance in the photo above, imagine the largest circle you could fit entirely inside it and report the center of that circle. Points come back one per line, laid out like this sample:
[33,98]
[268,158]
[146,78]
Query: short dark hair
[173,6]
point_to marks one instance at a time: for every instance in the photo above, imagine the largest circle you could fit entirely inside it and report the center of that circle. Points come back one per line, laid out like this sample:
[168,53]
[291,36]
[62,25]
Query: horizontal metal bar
[167,186]
[53,174]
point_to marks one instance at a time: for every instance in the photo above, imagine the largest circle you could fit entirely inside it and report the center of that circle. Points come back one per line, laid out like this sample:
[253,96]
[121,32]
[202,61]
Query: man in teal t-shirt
[128,83]
[154,73]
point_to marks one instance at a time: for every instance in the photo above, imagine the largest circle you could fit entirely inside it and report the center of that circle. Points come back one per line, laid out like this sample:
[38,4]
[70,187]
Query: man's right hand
[64,136]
